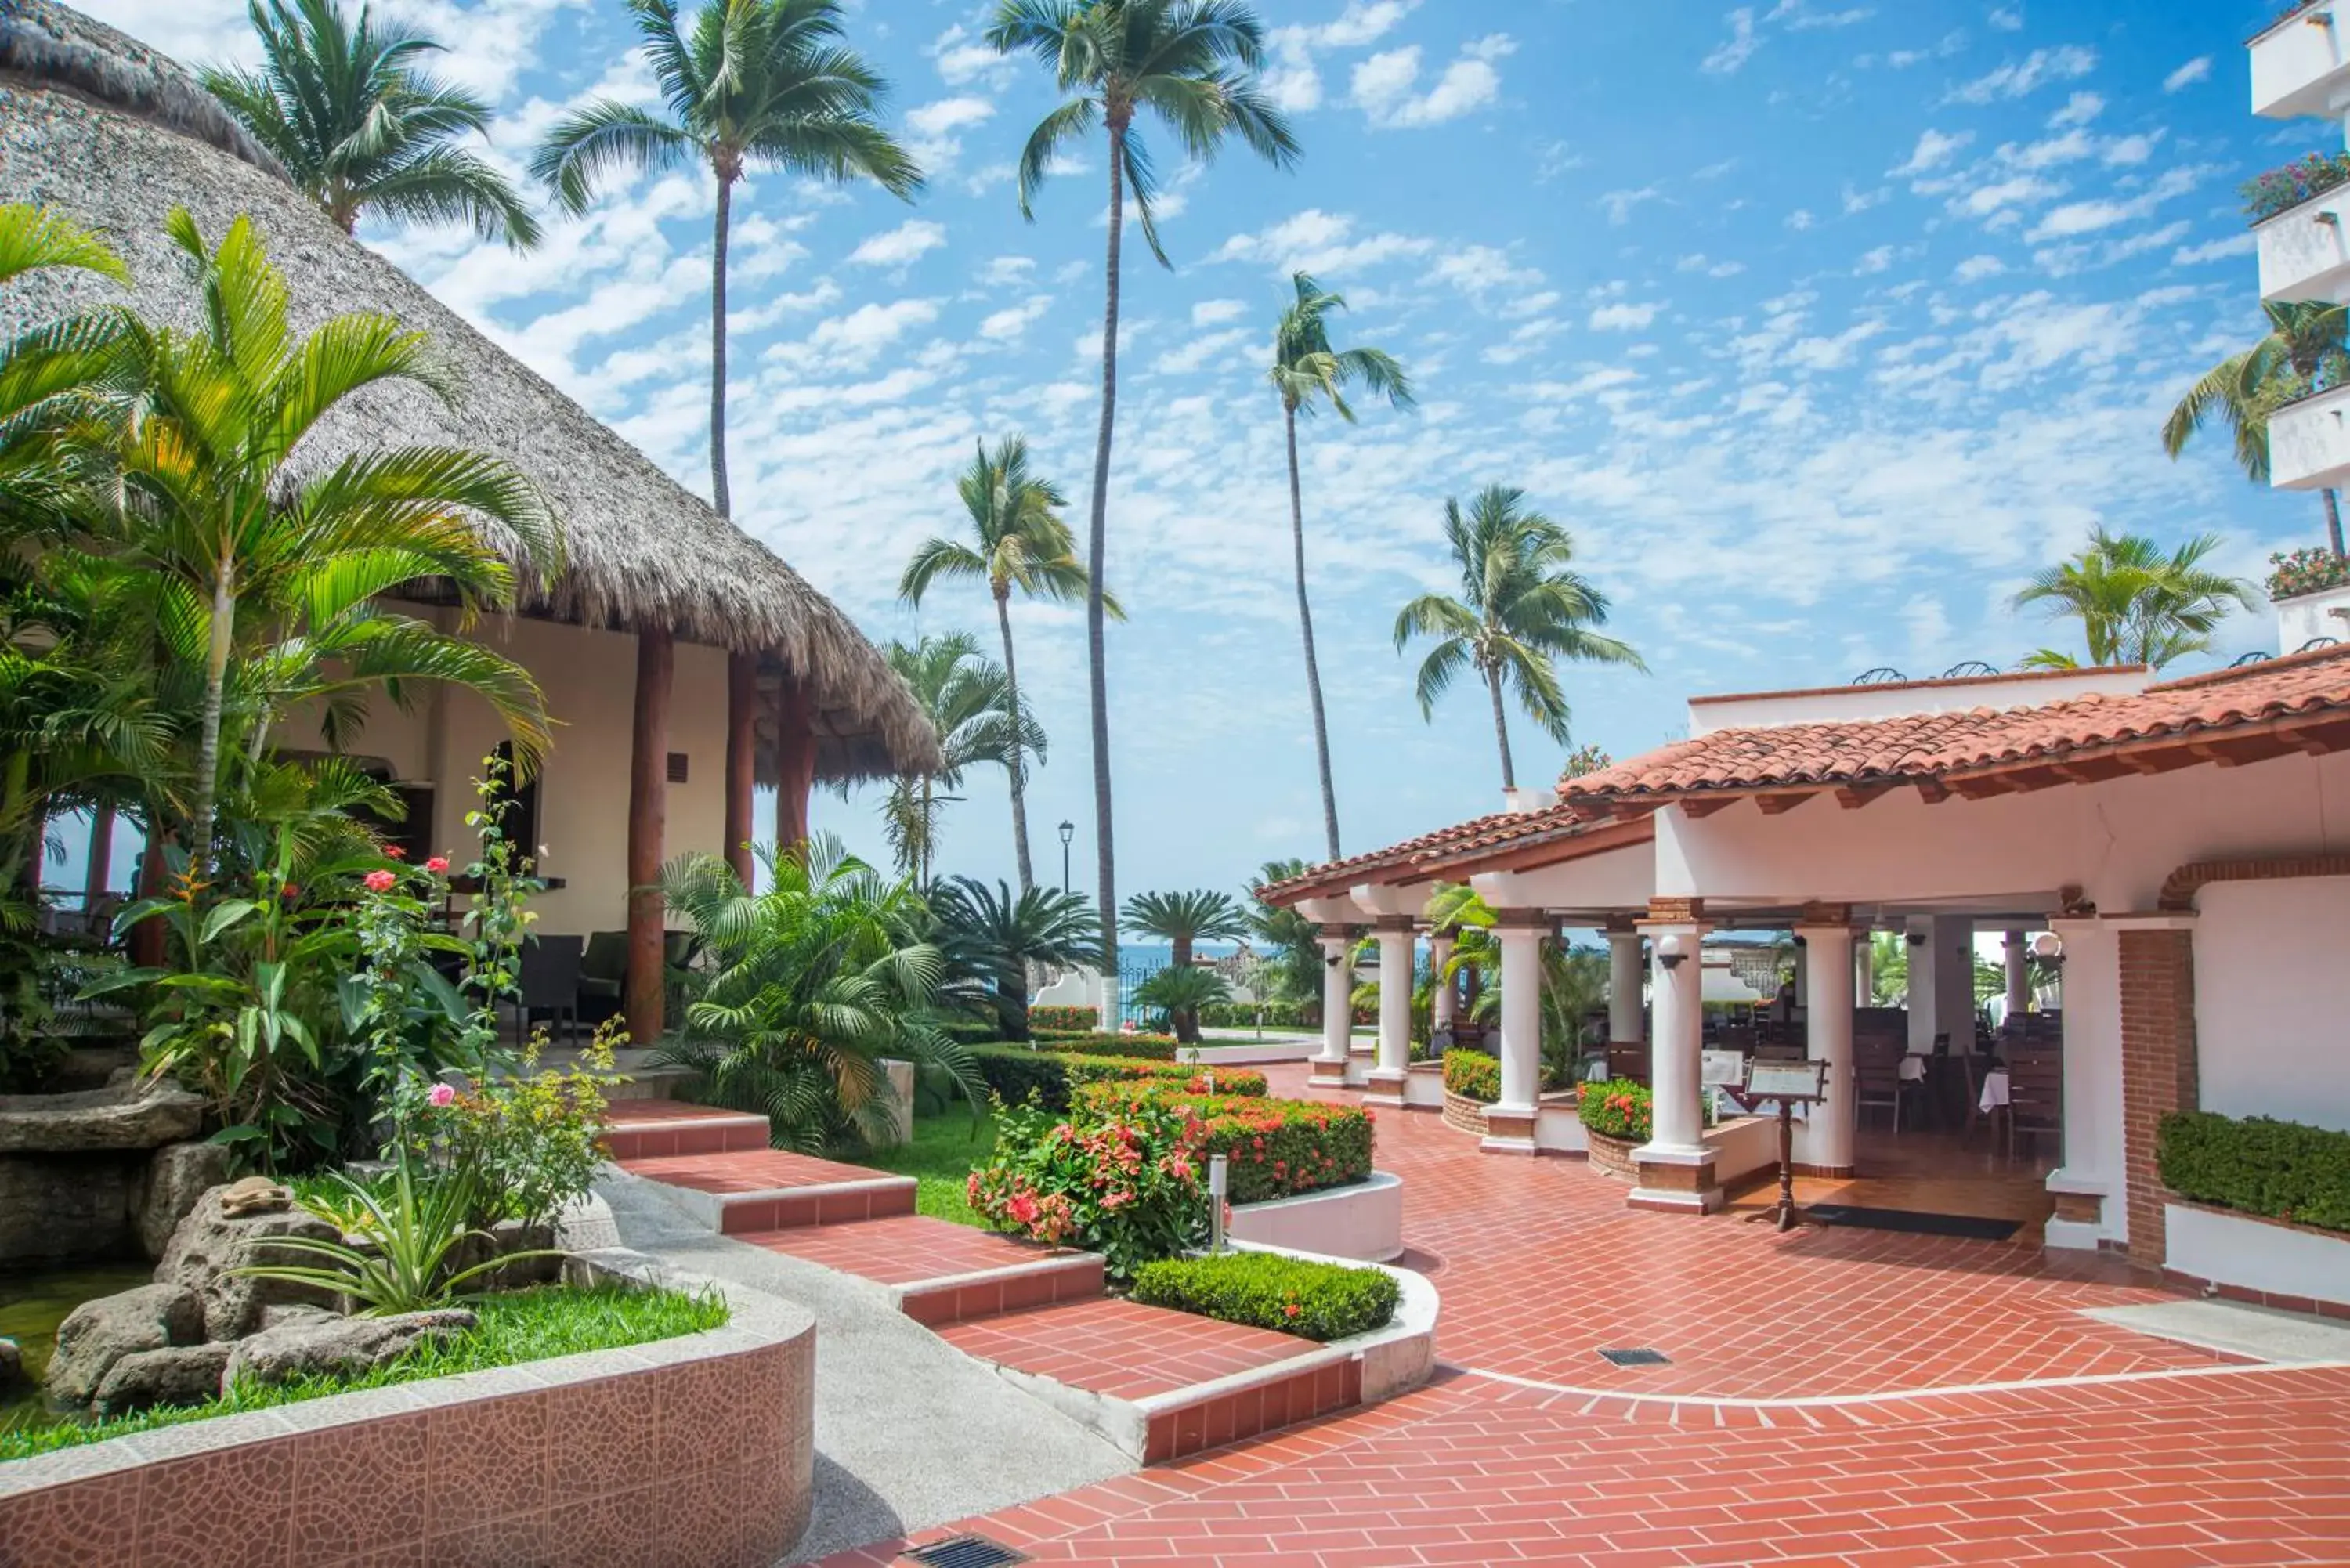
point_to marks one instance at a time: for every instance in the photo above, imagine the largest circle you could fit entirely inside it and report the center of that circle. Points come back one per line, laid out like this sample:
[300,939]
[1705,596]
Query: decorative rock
[278,1315]
[209,1242]
[98,1334]
[128,1116]
[183,1375]
[12,1364]
[254,1195]
[344,1345]
[177,1176]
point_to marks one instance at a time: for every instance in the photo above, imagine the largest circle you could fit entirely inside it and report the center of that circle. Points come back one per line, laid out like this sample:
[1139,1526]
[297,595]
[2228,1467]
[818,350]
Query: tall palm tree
[1017,540]
[2303,351]
[757,83]
[968,701]
[1306,371]
[1183,918]
[1194,63]
[1522,608]
[2137,605]
[349,110]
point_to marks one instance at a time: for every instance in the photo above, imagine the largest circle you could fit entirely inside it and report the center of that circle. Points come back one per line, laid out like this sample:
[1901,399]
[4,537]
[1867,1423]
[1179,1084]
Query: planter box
[1612,1156]
[1362,1220]
[2249,1256]
[701,1447]
[1464,1115]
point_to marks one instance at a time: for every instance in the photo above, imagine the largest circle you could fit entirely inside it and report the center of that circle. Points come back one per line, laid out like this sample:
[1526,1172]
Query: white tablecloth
[1913,1069]
[1994,1091]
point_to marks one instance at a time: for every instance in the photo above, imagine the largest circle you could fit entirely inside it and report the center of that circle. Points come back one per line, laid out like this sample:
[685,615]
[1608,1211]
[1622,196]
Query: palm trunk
[1019,758]
[1182,950]
[1105,855]
[718,494]
[208,743]
[1501,728]
[2333,521]
[1305,629]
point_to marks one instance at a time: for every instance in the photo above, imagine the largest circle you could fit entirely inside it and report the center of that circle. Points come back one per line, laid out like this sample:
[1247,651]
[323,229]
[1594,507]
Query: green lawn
[940,1158]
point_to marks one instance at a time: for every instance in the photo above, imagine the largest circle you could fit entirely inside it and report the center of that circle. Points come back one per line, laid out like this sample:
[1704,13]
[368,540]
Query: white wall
[2309,616]
[2272,999]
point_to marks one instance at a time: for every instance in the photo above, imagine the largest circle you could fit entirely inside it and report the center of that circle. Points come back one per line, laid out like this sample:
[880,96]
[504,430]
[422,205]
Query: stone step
[659,1129]
[939,1273]
[751,1191]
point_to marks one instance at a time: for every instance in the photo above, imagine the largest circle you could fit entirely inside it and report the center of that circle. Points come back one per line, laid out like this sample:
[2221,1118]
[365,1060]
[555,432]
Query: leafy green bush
[2284,1170]
[1618,1109]
[1063,1018]
[1266,1290]
[1125,1184]
[1093,1043]
[1473,1075]
[1016,1072]
[1273,1014]
[1277,1149]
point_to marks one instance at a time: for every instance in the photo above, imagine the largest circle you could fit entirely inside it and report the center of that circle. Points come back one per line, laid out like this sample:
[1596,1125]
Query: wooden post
[741,758]
[648,813]
[796,753]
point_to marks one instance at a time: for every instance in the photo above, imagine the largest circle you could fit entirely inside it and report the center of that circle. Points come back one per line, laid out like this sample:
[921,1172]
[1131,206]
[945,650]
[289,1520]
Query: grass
[940,1158]
[516,1326]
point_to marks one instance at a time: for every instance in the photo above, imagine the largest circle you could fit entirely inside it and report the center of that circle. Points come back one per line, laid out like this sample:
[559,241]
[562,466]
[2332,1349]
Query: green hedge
[1473,1075]
[1266,1290]
[2284,1170]
[1276,1148]
[1063,1018]
[1016,1072]
[1274,1015]
[1093,1043]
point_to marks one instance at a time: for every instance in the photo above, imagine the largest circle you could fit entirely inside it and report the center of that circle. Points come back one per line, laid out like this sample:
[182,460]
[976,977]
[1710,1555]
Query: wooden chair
[2035,1094]
[550,984]
[1625,1061]
[1879,1082]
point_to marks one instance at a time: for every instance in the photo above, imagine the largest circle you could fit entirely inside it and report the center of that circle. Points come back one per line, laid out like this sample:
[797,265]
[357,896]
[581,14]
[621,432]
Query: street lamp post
[1068,831]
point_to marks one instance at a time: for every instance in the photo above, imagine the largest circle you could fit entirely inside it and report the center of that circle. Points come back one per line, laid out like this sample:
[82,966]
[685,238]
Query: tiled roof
[1430,852]
[1980,741]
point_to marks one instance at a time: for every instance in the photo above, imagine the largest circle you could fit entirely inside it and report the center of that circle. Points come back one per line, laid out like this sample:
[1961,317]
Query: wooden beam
[1780,805]
[2164,759]
[741,759]
[1933,791]
[1705,806]
[647,979]
[1852,797]
[795,763]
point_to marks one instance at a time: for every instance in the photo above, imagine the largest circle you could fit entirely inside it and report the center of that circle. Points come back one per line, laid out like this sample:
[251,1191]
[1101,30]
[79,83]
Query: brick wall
[2158,1067]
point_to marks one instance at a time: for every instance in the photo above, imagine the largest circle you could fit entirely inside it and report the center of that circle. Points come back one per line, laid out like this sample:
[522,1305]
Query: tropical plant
[1296,941]
[1179,990]
[1306,372]
[1184,919]
[995,942]
[2273,191]
[1522,608]
[2303,352]
[2135,604]
[363,127]
[968,701]
[754,85]
[1017,541]
[1192,63]
[1124,1184]
[809,985]
[525,1143]
[1889,968]
[2292,573]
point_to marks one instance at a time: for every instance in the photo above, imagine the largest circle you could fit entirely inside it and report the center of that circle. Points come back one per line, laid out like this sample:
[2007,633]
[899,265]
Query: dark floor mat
[1972,1227]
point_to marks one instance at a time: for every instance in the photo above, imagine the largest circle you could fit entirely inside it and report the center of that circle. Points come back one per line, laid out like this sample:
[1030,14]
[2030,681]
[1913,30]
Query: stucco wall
[2272,993]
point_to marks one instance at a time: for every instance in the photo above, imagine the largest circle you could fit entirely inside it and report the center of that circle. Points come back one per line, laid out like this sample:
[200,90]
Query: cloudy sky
[1820,324]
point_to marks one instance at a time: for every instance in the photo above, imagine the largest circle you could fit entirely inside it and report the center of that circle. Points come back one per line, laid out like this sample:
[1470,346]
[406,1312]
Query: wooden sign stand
[1791,1083]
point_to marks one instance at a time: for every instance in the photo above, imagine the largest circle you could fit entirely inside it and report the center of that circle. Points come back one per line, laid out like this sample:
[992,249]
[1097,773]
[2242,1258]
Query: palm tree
[1522,608]
[2303,351]
[361,127]
[759,84]
[1181,991]
[968,701]
[1193,64]
[1296,960]
[994,939]
[1305,371]
[1183,918]
[2135,604]
[1018,540]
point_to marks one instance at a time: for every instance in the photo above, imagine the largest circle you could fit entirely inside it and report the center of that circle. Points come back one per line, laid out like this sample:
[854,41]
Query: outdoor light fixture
[2050,946]
[1672,948]
[1916,939]
[1068,831]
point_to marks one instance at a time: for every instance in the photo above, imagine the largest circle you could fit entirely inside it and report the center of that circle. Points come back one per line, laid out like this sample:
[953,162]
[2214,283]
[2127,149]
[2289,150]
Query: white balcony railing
[2304,251]
[2302,65]
[2309,442]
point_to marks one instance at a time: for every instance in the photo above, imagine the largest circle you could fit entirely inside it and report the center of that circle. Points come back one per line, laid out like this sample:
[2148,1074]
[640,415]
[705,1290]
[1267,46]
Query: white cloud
[1711,269]
[2213,250]
[1858,200]
[2067,62]
[1555,158]
[2079,110]
[2187,74]
[1874,261]
[870,327]
[1216,312]
[1985,199]
[1733,53]
[1974,269]
[1623,317]
[1319,241]
[896,247]
[1006,271]
[1799,15]
[1383,85]
[1620,204]
[1800,219]
[2087,217]
[1005,324]
[948,114]
[1934,149]
[961,56]
[2007,19]
[1293,80]
[1197,353]
[1477,269]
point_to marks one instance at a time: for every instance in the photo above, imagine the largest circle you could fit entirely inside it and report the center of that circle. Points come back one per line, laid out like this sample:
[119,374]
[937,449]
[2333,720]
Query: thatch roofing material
[114,135]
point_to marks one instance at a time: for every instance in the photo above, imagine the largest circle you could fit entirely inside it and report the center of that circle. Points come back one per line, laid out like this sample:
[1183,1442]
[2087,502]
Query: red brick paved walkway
[1120,1348]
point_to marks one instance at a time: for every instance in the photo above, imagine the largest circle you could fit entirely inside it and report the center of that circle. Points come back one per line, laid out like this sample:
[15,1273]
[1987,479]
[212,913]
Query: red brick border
[2180,889]
[2158,1068]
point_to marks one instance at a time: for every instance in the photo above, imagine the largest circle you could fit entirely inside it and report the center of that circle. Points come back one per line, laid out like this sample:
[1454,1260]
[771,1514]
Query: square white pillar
[1825,1138]
[1397,941]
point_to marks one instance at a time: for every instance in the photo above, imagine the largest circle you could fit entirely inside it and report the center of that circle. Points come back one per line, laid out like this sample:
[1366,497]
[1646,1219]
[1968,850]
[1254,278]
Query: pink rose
[395,851]
[381,881]
[438,864]
[441,1094]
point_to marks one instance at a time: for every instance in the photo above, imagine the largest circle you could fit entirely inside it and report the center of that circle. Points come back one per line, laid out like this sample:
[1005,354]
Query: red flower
[380,881]
[438,864]
[394,852]
[291,891]
[1292,1310]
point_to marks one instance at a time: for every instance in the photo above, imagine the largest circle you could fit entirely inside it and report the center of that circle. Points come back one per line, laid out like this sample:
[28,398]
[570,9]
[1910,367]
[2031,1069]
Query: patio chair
[2035,1094]
[603,975]
[550,985]
[1877,1081]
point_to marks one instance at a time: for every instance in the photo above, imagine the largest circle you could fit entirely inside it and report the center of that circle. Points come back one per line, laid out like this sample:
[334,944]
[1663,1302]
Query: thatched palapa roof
[103,128]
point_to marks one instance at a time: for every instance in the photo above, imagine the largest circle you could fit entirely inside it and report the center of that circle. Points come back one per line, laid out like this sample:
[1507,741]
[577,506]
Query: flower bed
[1063,1018]
[2292,573]
[1472,1075]
[1125,1184]
[2282,1170]
[1276,1148]
[1267,1290]
[2282,188]
[1618,1109]
[1014,1073]
[1093,1043]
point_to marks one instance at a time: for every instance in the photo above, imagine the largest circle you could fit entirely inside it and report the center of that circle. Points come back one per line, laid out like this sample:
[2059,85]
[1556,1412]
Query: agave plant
[1179,992]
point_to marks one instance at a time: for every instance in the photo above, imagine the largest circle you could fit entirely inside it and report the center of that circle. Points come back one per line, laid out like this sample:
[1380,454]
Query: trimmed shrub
[1063,1018]
[1126,1186]
[1623,1109]
[2284,1170]
[970,1031]
[1276,1148]
[1266,1290]
[1014,1072]
[1473,1075]
[1093,1043]
[1274,1015]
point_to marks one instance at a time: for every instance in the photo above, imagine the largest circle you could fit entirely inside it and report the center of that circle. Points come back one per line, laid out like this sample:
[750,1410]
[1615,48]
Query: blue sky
[1820,324]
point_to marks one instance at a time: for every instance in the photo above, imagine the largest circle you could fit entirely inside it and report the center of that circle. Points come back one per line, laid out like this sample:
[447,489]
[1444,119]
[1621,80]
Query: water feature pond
[32,1303]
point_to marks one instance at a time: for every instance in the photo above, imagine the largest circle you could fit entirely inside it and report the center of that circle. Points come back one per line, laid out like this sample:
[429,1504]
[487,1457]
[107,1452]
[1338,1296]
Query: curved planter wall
[1462,1114]
[1363,1222]
[685,1451]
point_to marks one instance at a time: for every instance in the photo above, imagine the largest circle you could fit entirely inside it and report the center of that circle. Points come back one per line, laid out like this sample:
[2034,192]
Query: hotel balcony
[2309,442]
[2301,64]
[2304,251]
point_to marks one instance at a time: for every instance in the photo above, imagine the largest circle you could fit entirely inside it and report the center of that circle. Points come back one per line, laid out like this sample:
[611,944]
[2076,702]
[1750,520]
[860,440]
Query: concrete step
[659,1129]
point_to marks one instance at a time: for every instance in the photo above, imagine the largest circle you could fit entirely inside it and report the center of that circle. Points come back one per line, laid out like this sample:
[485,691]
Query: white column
[1441,1008]
[2019,976]
[2095,1157]
[1510,1119]
[1337,992]
[1396,944]
[1864,971]
[1624,1022]
[1674,1055]
[1827,1135]
[1918,933]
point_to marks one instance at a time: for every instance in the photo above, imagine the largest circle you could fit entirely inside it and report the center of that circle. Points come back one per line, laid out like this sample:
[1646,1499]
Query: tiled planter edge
[694,1450]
